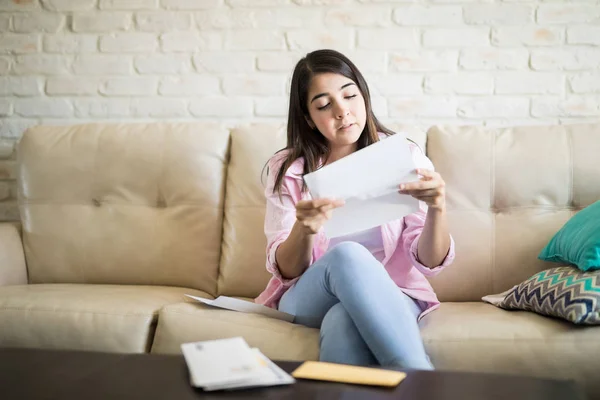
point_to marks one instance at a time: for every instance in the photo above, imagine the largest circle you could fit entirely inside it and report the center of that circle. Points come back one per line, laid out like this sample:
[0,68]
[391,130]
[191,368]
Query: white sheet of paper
[368,180]
[221,361]
[269,375]
[231,303]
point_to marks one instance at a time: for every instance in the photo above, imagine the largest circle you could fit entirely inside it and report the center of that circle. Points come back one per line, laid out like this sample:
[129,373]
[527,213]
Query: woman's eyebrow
[325,94]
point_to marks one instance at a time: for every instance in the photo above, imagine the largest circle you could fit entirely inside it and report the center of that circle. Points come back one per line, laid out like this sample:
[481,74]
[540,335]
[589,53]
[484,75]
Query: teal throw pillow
[578,241]
[562,292]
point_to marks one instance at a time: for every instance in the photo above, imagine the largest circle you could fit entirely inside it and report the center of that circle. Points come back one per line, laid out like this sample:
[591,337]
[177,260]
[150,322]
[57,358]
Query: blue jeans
[365,319]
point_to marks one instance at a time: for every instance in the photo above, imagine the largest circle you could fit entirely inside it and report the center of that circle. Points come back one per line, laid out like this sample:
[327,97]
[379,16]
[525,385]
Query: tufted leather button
[96,202]
[161,203]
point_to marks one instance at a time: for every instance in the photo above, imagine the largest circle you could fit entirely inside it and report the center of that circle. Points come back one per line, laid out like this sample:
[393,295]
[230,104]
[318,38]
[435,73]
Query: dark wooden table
[46,374]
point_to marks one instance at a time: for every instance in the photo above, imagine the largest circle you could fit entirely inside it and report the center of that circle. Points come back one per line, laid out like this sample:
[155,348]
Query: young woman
[367,291]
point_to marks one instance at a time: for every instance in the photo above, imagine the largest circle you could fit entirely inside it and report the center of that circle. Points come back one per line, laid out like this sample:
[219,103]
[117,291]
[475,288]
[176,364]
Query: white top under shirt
[371,239]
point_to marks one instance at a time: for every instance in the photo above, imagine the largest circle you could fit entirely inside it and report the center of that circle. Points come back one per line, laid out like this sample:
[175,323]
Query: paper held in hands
[230,303]
[368,180]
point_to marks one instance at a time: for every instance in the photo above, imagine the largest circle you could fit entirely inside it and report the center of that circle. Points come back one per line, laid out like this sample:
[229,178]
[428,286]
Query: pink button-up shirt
[400,238]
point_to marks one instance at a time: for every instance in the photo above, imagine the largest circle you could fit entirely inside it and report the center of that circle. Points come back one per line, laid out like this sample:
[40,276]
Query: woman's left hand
[430,189]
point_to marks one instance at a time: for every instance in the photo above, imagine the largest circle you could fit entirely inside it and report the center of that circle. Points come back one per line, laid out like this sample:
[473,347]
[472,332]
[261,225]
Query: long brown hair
[305,142]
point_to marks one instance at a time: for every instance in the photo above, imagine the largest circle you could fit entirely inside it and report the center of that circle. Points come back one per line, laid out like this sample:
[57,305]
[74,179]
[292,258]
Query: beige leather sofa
[120,221]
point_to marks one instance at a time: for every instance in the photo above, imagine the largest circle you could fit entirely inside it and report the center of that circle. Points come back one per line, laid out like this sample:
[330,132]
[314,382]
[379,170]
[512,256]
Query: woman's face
[336,108]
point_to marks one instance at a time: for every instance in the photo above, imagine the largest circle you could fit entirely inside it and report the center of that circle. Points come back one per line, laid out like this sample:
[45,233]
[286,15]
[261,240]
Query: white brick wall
[101,22]
[493,62]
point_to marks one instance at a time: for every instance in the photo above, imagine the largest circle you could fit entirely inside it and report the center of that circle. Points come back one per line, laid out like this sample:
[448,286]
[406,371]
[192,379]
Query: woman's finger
[423,193]
[338,203]
[426,198]
[315,213]
[420,185]
[316,203]
[305,214]
[426,173]
[319,210]
[311,204]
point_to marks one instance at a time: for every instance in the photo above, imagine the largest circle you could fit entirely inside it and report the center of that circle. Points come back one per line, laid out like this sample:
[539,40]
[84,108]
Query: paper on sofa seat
[230,303]
[368,180]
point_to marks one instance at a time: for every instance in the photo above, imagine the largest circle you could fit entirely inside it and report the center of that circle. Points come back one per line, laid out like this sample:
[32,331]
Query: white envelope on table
[270,375]
[230,363]
[368,180]
[221,361]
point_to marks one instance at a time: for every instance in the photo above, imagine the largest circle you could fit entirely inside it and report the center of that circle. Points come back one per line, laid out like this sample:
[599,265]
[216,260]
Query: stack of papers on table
[230,364]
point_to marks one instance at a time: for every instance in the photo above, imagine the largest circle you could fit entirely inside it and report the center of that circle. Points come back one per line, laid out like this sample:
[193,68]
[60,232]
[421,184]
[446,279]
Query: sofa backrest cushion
[123,203]
[243,271]
[508,192]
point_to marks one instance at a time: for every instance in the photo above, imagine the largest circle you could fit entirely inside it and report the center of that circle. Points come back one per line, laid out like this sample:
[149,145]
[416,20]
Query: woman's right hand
[312,214]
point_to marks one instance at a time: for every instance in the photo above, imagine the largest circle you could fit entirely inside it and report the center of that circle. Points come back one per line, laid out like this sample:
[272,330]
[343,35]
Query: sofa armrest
[13,270]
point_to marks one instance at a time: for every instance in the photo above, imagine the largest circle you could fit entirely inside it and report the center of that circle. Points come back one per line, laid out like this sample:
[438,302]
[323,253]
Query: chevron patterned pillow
[563,292]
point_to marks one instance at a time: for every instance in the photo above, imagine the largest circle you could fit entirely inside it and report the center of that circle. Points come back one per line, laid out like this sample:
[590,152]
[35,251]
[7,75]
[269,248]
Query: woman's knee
[351,259]
[350,254]
[349,249]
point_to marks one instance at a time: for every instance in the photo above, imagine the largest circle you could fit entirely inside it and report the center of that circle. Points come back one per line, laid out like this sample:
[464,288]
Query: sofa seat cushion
[278,340]
[481,337]
[111,318]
